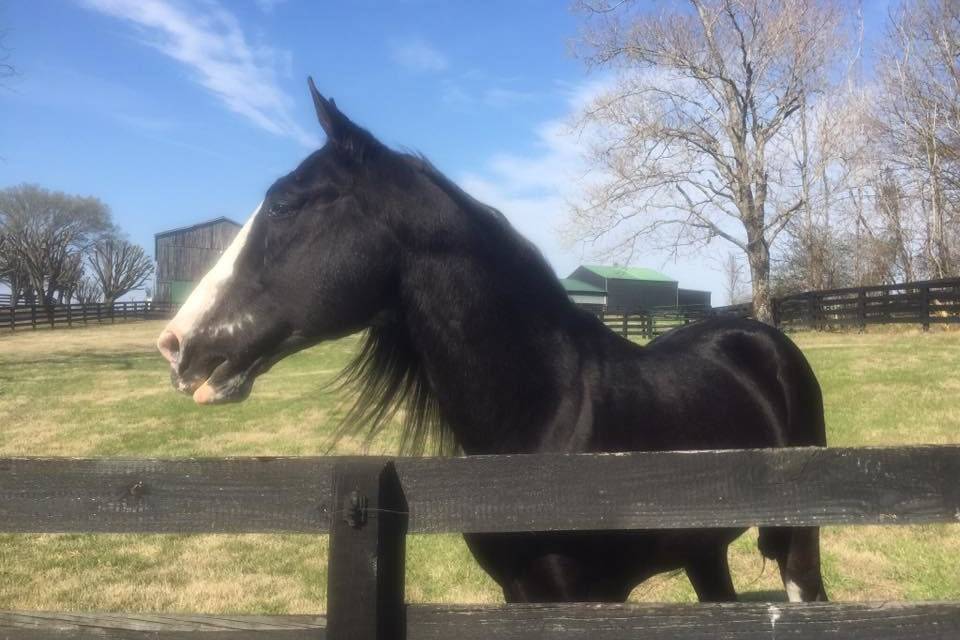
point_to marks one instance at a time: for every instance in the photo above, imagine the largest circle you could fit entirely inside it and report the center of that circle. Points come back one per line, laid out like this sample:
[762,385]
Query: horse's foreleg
[709,574]
[797,552]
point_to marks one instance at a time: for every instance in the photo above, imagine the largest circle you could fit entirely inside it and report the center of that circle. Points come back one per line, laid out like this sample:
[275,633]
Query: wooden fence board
[158,496]
[41,625]
[22,316]
[741,621]
[754,621]
[802,486]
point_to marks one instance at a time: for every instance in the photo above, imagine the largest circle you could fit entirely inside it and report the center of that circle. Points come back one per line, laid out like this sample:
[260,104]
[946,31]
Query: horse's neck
[501,355]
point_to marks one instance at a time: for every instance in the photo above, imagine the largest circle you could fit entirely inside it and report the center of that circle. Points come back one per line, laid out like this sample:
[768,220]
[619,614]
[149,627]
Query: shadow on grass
[763,596]
[113,360]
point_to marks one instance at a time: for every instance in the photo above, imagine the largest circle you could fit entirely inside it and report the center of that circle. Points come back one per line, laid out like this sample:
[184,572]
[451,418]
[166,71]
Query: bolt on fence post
[365,574]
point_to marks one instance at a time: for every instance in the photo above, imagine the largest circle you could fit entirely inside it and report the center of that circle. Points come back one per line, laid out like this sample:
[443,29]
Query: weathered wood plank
[165,496]
[751,621]
[365,583]
[802,486]
[41,625]
[854,621]
[684,490]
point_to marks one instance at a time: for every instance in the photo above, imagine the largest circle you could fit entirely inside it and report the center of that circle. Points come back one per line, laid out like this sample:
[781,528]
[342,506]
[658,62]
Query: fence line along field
[103,391]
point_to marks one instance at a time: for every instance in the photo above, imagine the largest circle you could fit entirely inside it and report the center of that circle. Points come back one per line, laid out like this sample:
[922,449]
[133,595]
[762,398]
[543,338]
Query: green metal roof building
[584,294]
[629,289]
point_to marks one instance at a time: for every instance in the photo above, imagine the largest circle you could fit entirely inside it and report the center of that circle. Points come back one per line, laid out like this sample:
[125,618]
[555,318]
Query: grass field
[104,391]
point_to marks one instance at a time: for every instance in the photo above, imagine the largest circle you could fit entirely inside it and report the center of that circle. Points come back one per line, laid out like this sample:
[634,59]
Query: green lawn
[103,391]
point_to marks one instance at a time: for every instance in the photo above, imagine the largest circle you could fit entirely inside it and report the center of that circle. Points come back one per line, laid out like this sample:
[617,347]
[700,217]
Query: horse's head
[316,260]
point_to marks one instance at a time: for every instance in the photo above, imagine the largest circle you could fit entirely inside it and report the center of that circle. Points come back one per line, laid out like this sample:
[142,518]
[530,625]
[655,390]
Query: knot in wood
[355,509]
[137,489]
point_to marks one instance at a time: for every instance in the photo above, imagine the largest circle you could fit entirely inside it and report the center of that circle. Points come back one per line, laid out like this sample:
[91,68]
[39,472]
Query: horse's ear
[336,125]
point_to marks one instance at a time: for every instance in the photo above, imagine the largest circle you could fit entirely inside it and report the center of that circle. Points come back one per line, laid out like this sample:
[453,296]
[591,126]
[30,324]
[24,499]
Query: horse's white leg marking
[793,591]
[211,287]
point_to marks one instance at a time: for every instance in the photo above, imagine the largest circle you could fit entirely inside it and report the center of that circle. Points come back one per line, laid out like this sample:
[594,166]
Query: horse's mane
[389,380]
[387,376]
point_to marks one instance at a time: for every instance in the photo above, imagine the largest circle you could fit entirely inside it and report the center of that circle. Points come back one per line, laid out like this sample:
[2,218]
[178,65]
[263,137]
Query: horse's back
[717,383]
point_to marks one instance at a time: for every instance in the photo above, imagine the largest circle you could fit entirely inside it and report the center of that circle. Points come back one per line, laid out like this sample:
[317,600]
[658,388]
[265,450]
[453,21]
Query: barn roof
[198,225]
[572,285]
[627,273]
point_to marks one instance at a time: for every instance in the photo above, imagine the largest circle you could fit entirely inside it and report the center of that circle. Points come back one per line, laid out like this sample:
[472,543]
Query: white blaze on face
[211,287]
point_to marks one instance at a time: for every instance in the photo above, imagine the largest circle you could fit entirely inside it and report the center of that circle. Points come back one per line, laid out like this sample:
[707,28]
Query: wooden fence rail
[924,303]
[74,315]
[369,504]
[652,322]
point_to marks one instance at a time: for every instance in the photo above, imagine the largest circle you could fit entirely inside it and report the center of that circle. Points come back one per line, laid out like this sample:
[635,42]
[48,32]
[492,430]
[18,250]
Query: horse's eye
[281,208]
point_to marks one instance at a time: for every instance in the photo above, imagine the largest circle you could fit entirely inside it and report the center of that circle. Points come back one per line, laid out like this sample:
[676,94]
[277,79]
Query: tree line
[57,248]
[764,124]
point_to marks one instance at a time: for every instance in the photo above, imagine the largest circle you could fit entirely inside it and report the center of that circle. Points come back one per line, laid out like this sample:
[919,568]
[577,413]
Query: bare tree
[692,138]
[734,280]
[119,266]
[12,270]
[825,152]
[87,291]
[47,232]
[7,70]
[918,117]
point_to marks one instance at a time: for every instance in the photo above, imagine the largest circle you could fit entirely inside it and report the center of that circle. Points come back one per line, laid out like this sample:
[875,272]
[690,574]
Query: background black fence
[368,505]
[72,315]
[923,303]
[653,322]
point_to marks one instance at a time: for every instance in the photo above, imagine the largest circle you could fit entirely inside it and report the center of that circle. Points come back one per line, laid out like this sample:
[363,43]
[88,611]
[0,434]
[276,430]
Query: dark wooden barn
[184,255]
[630,289]
[693,299]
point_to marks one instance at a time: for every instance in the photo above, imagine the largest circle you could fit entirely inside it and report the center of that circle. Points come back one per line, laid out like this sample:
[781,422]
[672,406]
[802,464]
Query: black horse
[471,335]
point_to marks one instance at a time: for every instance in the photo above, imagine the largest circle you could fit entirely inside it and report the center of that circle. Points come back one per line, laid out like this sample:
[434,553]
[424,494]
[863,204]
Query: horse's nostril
[169,345]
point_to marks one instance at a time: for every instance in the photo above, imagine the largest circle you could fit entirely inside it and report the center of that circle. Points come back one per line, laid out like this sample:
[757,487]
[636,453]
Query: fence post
[13,318]
[925,306]
[862,310]
[69,315]
[365,596]
[625,318]
[33,315]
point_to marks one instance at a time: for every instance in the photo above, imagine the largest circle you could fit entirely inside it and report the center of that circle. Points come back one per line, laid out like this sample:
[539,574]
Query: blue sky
[176,111]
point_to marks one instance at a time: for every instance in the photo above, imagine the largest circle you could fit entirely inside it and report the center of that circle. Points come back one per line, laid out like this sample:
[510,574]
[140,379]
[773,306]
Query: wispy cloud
[209,41]
[267,6]
[417,55]
[502,97]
